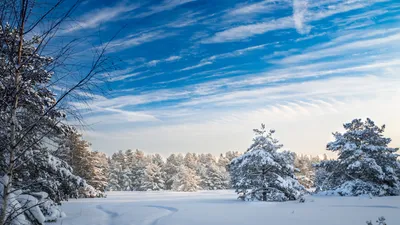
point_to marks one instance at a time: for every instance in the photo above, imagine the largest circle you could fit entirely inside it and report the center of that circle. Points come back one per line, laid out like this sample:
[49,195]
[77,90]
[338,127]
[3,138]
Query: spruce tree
[185,180]
[264,172]
[365,163]
[153,178]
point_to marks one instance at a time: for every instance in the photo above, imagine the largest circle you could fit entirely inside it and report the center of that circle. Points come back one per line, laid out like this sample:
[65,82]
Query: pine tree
[153,178]
[171,168]
[185,180]
[365,163]
[230,155]
[263,172]
[119,157]
[100,170]
[223,161]
[305,172]
[158,160]
[191,161]
[137,169]
[29,119]
[216,178]
[114,174]
[120,174]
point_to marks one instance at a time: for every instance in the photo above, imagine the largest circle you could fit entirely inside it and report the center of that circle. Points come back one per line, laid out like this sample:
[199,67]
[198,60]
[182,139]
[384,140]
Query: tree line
[133,170]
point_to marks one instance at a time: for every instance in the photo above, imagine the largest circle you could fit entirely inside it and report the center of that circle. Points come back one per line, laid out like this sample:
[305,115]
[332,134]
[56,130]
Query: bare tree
[29,112]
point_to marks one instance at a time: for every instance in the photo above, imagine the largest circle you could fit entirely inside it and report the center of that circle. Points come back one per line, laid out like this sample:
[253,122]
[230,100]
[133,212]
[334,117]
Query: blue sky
[197,76]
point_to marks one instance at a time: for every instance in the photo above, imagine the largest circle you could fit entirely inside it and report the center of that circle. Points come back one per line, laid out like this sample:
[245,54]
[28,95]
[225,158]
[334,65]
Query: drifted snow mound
[359,187]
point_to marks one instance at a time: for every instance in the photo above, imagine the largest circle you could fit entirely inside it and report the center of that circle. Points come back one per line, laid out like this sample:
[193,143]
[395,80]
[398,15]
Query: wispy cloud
[169,59]
[348,48]
[137,39]
[125,76]
[262,7]
[299,12]
[235,53]
[95,18]
[117,116]
[201,64]
[189,19]
[165,5]
[301,16]
[246,31]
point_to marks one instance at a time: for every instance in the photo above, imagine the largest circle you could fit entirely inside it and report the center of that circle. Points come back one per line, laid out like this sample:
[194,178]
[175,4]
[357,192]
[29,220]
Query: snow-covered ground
[222,208]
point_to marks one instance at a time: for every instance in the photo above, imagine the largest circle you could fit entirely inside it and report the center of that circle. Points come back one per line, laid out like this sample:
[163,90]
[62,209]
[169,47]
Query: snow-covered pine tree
[31,116]
[137,170]
[191,161]
[29,119]
[153,178]
[91,166]
[100,170]
[158,160]
[120,174]
[365,163]
[305,172]
[265,173]
[185,180]
[216,178]
[114,174]
[119,157]
[171,168]
[223,161]
[230,155]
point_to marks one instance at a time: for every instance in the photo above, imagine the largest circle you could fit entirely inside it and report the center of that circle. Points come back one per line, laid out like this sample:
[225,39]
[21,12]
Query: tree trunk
[264,196]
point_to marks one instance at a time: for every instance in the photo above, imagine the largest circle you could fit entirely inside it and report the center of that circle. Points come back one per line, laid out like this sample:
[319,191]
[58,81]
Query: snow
[223,208]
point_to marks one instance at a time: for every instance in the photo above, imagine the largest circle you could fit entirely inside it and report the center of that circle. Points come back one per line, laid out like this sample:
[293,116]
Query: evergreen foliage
[264,172]
[365,163]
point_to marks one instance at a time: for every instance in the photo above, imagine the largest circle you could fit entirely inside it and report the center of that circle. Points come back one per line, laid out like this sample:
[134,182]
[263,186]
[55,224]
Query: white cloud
[119,117]
[97,17]
[345,49]
[246,31]
[165,5]
[136,40]
[299,12]
[341,7]
[298,21]
[125,76]
[153,63]
[173,58]
[201,64]
[189,19]
[235,53]
[169,59]
[262,7]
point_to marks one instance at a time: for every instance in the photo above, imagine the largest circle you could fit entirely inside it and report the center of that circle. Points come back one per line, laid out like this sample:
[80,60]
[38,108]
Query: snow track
[171,210]
[110,213]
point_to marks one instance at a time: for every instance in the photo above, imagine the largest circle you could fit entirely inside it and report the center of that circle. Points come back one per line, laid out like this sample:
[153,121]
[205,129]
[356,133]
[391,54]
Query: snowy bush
[381,221]
[27,209]
[263,172]
[365,164]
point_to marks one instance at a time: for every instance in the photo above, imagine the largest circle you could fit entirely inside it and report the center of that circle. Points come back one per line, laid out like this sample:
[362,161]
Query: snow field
[222,208]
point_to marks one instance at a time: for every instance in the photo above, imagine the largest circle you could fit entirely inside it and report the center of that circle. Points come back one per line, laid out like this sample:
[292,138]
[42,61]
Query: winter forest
[51,174]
